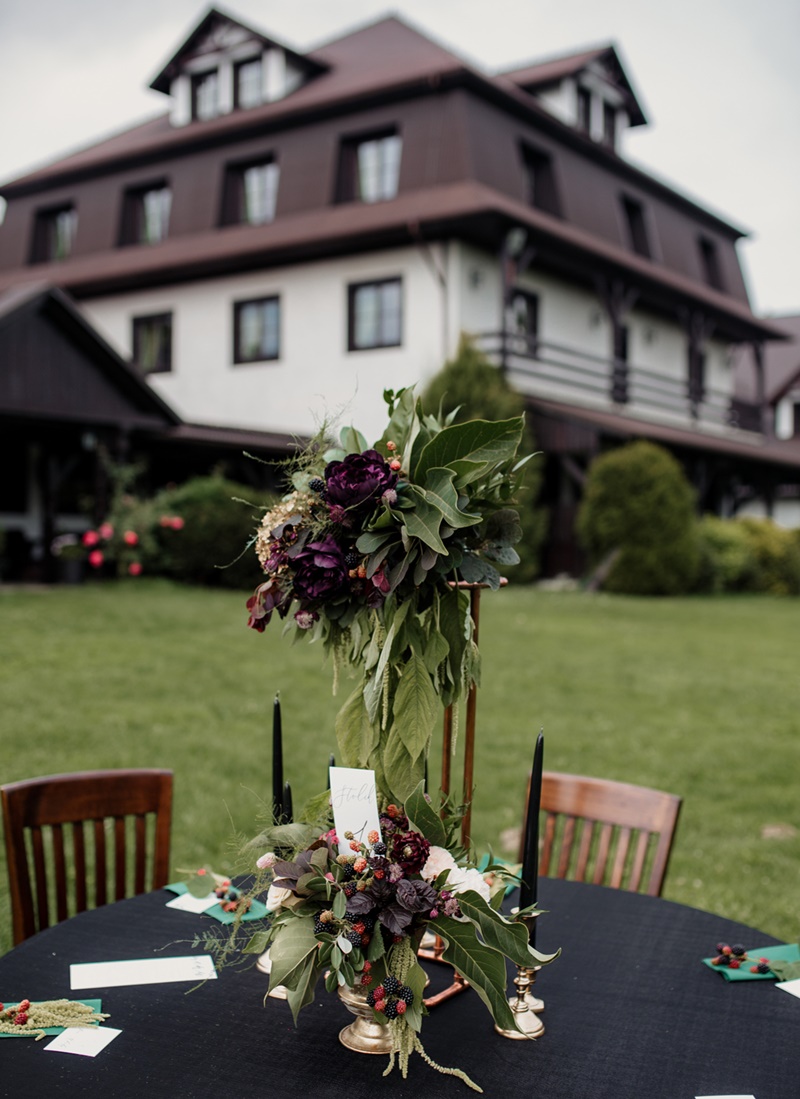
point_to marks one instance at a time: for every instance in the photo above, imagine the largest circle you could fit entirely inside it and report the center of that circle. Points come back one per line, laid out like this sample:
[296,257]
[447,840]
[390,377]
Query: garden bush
[727,559]
[638,503]
[776,554]
[479,390]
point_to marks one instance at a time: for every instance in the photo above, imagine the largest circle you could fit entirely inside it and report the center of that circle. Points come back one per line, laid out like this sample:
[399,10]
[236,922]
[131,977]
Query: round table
[630,1013]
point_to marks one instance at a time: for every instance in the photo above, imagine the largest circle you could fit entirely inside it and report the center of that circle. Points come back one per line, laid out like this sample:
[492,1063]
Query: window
[145,214]
[709,259]
[250,194]
[540,180]
[205,95]
[696,376]
[369,168]
[619,375]
[609,126]
[636,226]
[256,330]
[374,315]
[584,110]
[248,83]
[54,234]
[152,343]
[524,323]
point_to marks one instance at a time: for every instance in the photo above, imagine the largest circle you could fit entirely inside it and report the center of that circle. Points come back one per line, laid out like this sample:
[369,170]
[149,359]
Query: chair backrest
[592,823]
[40,814]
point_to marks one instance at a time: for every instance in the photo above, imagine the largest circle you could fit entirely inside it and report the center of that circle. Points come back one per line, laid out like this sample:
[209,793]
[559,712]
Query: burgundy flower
[320,570]
[358,481]
[267,597]
[410,850]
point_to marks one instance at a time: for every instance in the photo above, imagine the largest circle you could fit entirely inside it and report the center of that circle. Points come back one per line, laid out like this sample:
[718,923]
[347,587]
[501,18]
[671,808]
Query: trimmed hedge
[638,503]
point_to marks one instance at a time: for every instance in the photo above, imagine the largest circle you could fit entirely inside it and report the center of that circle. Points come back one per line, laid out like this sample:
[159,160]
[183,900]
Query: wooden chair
[591,822]
[35,812]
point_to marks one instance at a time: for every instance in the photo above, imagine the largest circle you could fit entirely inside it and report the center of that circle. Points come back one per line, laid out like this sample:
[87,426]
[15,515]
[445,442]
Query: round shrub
[639,506]
[776,553]
[727,560]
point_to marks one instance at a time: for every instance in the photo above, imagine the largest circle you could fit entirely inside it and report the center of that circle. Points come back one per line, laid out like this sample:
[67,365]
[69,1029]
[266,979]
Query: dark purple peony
[358,481]
[320,571]
[410,850]
[267,597]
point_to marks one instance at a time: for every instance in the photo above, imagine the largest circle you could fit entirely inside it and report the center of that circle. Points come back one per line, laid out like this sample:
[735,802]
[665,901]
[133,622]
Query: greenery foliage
[473,388]
[748,554]
[776,553]
[638,503]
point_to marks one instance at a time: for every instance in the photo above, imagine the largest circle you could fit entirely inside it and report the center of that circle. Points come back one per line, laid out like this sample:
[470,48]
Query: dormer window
[585,110]
[709,258]
[369,168]
[251,192]
[609,125]
[248,90]
[54,234]
[636,226]
[205,95]
[540,180]
[145,214]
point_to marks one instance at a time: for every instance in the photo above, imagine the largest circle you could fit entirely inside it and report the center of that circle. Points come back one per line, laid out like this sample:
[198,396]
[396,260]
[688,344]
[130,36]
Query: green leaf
[257,944]
[424,521]
[401,426]
[372,540]
[422,816]
[453,614]
[376,947]
[484,967]
[475,571]
[416,706]
[509,937]
[303,993]
[474,441]
[402,773]
[355,734]
[339,905]
[436,649]
[440,491]
[292,945]
[353,441]
[415,980]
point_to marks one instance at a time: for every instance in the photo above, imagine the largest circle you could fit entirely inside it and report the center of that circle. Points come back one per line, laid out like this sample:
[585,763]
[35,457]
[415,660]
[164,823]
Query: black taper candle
[278,807]
[287,803]
[331,763]
[530,850]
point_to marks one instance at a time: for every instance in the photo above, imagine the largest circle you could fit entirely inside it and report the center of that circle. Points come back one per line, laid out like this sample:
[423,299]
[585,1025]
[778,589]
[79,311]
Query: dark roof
[781,364]
[213,18]
[760,449]
[542,74]
[236,437]
[340,228]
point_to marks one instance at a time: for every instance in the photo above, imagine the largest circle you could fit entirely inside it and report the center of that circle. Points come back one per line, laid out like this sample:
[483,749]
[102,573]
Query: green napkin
[95,1005]
[257,910]
[789,952]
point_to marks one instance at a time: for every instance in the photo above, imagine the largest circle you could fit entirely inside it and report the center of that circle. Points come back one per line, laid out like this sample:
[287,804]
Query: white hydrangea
[439,859]
[462,880]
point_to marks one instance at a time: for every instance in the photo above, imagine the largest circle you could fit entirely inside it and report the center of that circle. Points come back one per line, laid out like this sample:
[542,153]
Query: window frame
[348,178]
[234,192]
[529,335]
[239,359]
[710,264]
[353,289]
[637,226]
[197,80]
[133,228]
[138,323]
[256,59]
[44,242]
[583,115]
[541,189]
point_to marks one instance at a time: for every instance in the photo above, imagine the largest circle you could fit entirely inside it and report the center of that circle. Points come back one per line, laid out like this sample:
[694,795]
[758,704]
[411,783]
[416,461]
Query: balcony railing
[559,373]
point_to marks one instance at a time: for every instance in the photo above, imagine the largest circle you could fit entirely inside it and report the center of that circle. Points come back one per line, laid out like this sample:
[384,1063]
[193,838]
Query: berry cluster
[17,1015]
[230,898]
[729,956]
[391,998]
[761,966]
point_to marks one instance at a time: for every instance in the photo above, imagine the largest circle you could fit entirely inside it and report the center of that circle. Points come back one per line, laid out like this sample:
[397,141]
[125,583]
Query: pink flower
[130,538]
[438,860]
[266,861]
[176,522]
[135,568]
[106,531]
[91,538]
[96,559]
[165,521]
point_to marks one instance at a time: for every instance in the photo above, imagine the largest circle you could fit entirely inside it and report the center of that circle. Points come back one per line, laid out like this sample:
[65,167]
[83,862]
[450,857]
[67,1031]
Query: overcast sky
[718,80]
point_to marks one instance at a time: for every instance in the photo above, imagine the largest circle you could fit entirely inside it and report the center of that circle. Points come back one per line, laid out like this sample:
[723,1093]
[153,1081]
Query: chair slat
[140,856]
[119,858]
[601,858]
[620,857]
[42,906]
[639,857]
[79,847]
[549,833]
[587,831]
[565,850]
[60,872]
[100,864]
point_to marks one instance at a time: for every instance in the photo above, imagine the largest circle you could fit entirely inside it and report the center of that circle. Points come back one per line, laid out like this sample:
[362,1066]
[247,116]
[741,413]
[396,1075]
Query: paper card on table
[792,987]
[141,971]
[355,804]
[256,911]
[725,1097]
[185,902]
[87,1041]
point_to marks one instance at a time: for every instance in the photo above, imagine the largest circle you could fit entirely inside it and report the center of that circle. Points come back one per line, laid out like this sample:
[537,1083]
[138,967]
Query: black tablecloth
[630,1014]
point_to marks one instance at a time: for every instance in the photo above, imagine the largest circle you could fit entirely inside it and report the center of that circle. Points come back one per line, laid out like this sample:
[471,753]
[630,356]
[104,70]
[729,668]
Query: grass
[696,696]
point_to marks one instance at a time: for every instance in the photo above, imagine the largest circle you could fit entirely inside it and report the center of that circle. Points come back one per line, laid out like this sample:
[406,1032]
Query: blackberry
[349,889]
[316,484]
[738,951]
[379,848]
[392,985]
[371,998]
[354,938]
[391,1009]
[348,873]
[319,926]
[352,559]
[762,967]
[405,994]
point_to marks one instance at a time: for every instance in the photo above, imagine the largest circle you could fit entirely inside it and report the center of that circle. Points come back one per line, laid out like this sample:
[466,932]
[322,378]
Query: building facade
[297,233]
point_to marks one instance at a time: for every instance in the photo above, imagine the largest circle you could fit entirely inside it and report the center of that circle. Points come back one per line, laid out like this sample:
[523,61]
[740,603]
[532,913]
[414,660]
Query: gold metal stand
[526,1006]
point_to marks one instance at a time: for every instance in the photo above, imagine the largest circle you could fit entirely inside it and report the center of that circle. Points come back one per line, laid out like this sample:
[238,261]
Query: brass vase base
[525,1007]
[364,1035]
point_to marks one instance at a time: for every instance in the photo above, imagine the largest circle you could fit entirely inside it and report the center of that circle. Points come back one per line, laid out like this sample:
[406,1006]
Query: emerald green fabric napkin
[789,952]
[257,910]
[95,1005]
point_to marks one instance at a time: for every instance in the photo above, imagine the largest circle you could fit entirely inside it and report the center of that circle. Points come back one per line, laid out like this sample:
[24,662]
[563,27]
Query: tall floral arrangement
[364,555]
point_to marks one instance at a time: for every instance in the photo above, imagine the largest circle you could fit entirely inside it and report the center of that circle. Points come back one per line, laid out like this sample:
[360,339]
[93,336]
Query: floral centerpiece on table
[359,918]
[362,556]
[366,555]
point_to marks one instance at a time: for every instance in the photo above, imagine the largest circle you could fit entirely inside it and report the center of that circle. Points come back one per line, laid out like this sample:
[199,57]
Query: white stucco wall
[315,378]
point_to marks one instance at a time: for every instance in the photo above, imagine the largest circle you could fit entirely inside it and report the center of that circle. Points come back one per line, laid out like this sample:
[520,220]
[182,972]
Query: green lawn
[697,696]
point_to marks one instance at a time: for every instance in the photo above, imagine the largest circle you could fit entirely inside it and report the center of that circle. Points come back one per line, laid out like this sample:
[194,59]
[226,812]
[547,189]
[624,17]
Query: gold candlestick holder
[526,1006]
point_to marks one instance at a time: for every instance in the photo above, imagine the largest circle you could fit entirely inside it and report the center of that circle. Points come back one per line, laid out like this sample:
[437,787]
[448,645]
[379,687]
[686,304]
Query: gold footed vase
[363,1035]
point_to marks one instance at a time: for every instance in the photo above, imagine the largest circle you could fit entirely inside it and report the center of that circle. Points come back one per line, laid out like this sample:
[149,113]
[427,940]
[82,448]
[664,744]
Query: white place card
[725,1097]
[792,987]
[88,1041]
[355,805]
[185,902]
[141,971]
